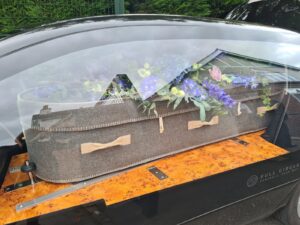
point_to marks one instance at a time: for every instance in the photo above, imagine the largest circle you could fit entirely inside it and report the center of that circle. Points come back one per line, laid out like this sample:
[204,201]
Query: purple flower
[148,86]
[247,82]
[219,93]
[191,88]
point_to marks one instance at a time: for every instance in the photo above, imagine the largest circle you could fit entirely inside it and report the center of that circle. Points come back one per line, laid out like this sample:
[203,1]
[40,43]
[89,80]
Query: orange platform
[181,168]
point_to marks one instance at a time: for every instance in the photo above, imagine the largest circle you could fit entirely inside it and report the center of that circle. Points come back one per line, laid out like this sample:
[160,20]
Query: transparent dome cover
[181,91]
[174,71]
[108,98]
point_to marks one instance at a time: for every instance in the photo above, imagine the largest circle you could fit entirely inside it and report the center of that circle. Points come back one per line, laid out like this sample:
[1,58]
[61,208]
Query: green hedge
[18,15]
[207,8]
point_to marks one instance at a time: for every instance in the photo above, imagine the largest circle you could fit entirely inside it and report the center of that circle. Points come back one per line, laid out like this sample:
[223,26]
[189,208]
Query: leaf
[140,105]
[186,98]
[145,108]
[196,103]
[202,112]
[267,102]
[171,100]
[152,106]
[164,98]
[265,82]
[177,102]
[164,91]
[202,109]
[206,106]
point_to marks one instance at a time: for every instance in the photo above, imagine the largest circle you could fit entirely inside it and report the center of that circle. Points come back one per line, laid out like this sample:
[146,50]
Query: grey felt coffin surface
[55,139]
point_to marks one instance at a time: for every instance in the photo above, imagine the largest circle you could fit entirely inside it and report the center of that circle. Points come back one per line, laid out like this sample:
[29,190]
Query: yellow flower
[177,92]
[226,79]
[181,93]
[145,72]
[174,90]
[197,66]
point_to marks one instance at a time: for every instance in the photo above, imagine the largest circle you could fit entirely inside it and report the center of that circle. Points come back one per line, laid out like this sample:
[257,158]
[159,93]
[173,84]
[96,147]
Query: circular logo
[252,181]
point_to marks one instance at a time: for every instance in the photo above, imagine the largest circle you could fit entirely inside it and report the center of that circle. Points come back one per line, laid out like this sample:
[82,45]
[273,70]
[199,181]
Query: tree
[179,7]
[16,15]
[211,8]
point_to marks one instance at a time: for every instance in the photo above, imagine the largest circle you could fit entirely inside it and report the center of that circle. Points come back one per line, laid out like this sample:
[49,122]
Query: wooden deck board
[181,168]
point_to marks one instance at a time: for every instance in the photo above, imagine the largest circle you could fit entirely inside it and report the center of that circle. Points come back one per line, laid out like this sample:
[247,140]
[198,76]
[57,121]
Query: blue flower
[148,86]
[219,93]
[192,88]
[123,83]
[178,79]
[247,82]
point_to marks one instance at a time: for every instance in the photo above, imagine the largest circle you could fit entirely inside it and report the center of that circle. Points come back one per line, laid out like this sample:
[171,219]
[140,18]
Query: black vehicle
[72,65]
[279,13]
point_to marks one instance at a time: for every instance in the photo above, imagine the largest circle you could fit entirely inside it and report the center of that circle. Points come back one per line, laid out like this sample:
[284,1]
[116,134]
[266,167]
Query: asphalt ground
[269,221]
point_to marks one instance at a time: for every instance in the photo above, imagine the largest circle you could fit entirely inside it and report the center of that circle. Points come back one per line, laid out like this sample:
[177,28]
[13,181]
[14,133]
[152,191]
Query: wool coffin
[79,144]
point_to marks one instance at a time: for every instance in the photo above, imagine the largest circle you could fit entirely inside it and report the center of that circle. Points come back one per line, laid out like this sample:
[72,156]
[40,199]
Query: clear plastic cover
[111,91]
[110,107]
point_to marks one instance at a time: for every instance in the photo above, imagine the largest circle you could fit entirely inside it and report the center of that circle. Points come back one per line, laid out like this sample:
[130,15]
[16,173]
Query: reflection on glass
[167,98]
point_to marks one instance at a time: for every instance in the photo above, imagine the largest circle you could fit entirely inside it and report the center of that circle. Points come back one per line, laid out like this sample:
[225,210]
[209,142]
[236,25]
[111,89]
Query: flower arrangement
[205,88]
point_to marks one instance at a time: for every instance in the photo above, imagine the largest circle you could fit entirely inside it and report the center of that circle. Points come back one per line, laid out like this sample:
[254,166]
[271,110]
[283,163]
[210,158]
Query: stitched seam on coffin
[106,173]
[133,120]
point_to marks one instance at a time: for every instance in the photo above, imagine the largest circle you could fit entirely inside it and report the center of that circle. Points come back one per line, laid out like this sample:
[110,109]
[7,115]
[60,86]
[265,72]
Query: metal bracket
[157,173]
[62,192]
[19,185]
[239,141]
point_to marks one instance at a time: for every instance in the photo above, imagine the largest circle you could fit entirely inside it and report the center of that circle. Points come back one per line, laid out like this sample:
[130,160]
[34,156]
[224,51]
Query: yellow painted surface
[181,168]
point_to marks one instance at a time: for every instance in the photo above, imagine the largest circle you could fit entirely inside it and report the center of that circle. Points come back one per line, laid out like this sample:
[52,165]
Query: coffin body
[56,139]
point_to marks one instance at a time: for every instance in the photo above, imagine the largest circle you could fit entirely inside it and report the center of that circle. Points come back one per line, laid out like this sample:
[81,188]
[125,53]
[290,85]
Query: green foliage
[207,8]
[266,93]
[17,15]
[182,7]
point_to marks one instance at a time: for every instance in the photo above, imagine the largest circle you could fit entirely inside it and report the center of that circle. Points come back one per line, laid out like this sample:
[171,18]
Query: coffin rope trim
[198,123]
[92,147]
[116,123]
[262,110]
[131,120]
